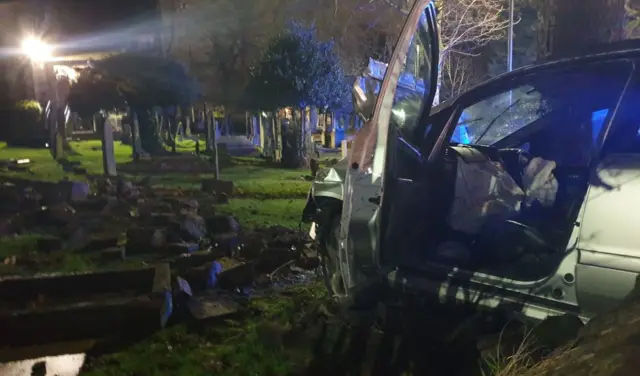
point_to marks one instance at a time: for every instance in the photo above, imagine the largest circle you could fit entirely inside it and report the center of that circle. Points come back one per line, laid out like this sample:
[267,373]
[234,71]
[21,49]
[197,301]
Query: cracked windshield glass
[492,119]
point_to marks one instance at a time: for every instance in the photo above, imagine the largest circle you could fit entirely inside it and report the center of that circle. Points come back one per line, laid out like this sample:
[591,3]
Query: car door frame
[360,263]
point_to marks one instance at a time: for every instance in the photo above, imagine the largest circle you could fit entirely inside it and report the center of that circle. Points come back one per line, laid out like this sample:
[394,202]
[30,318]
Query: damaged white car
[520,194]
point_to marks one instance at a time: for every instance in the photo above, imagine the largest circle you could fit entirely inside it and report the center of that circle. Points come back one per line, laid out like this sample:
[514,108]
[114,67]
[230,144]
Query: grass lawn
[259,343]
[252,176]
[254,344]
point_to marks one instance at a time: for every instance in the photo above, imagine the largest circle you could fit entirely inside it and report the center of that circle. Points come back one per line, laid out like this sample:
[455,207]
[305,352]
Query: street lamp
[36,50]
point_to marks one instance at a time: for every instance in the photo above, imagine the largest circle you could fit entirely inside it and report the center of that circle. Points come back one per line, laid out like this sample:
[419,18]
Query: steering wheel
[507,241]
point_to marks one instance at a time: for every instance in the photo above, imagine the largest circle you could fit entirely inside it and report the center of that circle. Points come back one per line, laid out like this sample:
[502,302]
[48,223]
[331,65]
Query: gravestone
[108,153]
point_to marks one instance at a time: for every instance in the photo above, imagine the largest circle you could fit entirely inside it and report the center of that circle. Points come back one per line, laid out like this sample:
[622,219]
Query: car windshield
[489,121]
[553,97]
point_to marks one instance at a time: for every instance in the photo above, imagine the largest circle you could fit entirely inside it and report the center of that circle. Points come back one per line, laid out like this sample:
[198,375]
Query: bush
[26,126]
[29,106]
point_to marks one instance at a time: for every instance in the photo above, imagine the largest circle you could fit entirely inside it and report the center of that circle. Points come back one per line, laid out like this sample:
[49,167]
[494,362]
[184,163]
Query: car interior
[510,207]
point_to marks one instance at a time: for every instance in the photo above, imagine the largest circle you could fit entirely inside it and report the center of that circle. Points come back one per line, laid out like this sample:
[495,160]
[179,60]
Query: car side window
[409,97]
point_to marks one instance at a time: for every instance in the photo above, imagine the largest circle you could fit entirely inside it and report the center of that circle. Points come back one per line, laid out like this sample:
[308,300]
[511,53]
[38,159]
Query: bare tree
[458,74]
[465,26]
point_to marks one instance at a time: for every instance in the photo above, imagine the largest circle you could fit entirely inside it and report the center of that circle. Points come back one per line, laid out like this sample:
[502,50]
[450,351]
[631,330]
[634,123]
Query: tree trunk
[289,142]
[277,138]
[56,132]
[568,27]
[149,137]
[314,118]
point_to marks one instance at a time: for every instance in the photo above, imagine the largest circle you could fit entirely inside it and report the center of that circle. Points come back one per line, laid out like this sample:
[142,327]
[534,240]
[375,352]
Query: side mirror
[364,102]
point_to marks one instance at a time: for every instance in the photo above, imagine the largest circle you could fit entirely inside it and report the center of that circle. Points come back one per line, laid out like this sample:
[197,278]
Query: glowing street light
[37,50]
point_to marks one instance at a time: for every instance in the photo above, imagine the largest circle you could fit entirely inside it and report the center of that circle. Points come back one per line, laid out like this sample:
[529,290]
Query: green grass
[252,176]
[253,345]
[263,213]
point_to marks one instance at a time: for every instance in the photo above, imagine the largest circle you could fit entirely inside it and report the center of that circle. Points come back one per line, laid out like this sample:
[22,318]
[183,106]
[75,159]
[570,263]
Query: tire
[329,244]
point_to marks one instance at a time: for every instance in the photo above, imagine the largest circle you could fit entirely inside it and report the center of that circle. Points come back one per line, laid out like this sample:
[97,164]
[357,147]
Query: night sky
[91,16]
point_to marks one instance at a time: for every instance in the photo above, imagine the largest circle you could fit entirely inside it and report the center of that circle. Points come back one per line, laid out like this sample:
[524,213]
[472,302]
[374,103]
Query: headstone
[108,154]
[136,142]
[344,148]
[79,191]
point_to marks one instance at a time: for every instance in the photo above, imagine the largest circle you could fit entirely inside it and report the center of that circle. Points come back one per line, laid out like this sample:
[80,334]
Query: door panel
[408,88]
[609,240]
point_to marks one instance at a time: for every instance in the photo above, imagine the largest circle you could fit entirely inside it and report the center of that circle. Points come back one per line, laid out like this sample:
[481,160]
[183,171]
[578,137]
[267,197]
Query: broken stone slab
[125,189]
[222,198]
[177,249]
[228,243]
[192,227]
[194,259]
[145,240]
[158,219]
[236,277]
[222,224]
[217,186]
[211,306]
[59,214]
[96,243]
[272,259]
[113,254]
[74,191]
[79,239]
[45,309]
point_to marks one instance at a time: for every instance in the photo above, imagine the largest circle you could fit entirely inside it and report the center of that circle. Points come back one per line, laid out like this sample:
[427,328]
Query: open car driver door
[413,70]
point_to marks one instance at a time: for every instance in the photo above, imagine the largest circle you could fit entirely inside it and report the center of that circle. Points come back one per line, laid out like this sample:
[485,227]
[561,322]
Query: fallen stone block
[100,243]
[45,309]
[177,249]
[60,214]
[226,243]
[78,240]
[210,306]
[113,254]
[145,240]
[222,224]
[158,219]
[192,227]
[236,277]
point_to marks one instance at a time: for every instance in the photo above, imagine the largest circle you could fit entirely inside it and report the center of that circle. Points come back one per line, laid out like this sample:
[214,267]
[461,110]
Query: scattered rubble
[114,222]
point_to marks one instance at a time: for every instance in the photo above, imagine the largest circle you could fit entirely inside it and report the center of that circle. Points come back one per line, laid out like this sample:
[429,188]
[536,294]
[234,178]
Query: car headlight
[322,174]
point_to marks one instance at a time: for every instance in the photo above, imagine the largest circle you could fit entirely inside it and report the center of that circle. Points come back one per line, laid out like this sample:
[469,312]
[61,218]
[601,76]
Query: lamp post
[510,37]
[40,54]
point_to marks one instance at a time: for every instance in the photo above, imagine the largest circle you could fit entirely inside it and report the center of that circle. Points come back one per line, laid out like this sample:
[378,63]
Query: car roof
[610,51]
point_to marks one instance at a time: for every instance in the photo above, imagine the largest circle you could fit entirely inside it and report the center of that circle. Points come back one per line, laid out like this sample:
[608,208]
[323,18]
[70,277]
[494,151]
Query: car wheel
[329,243]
